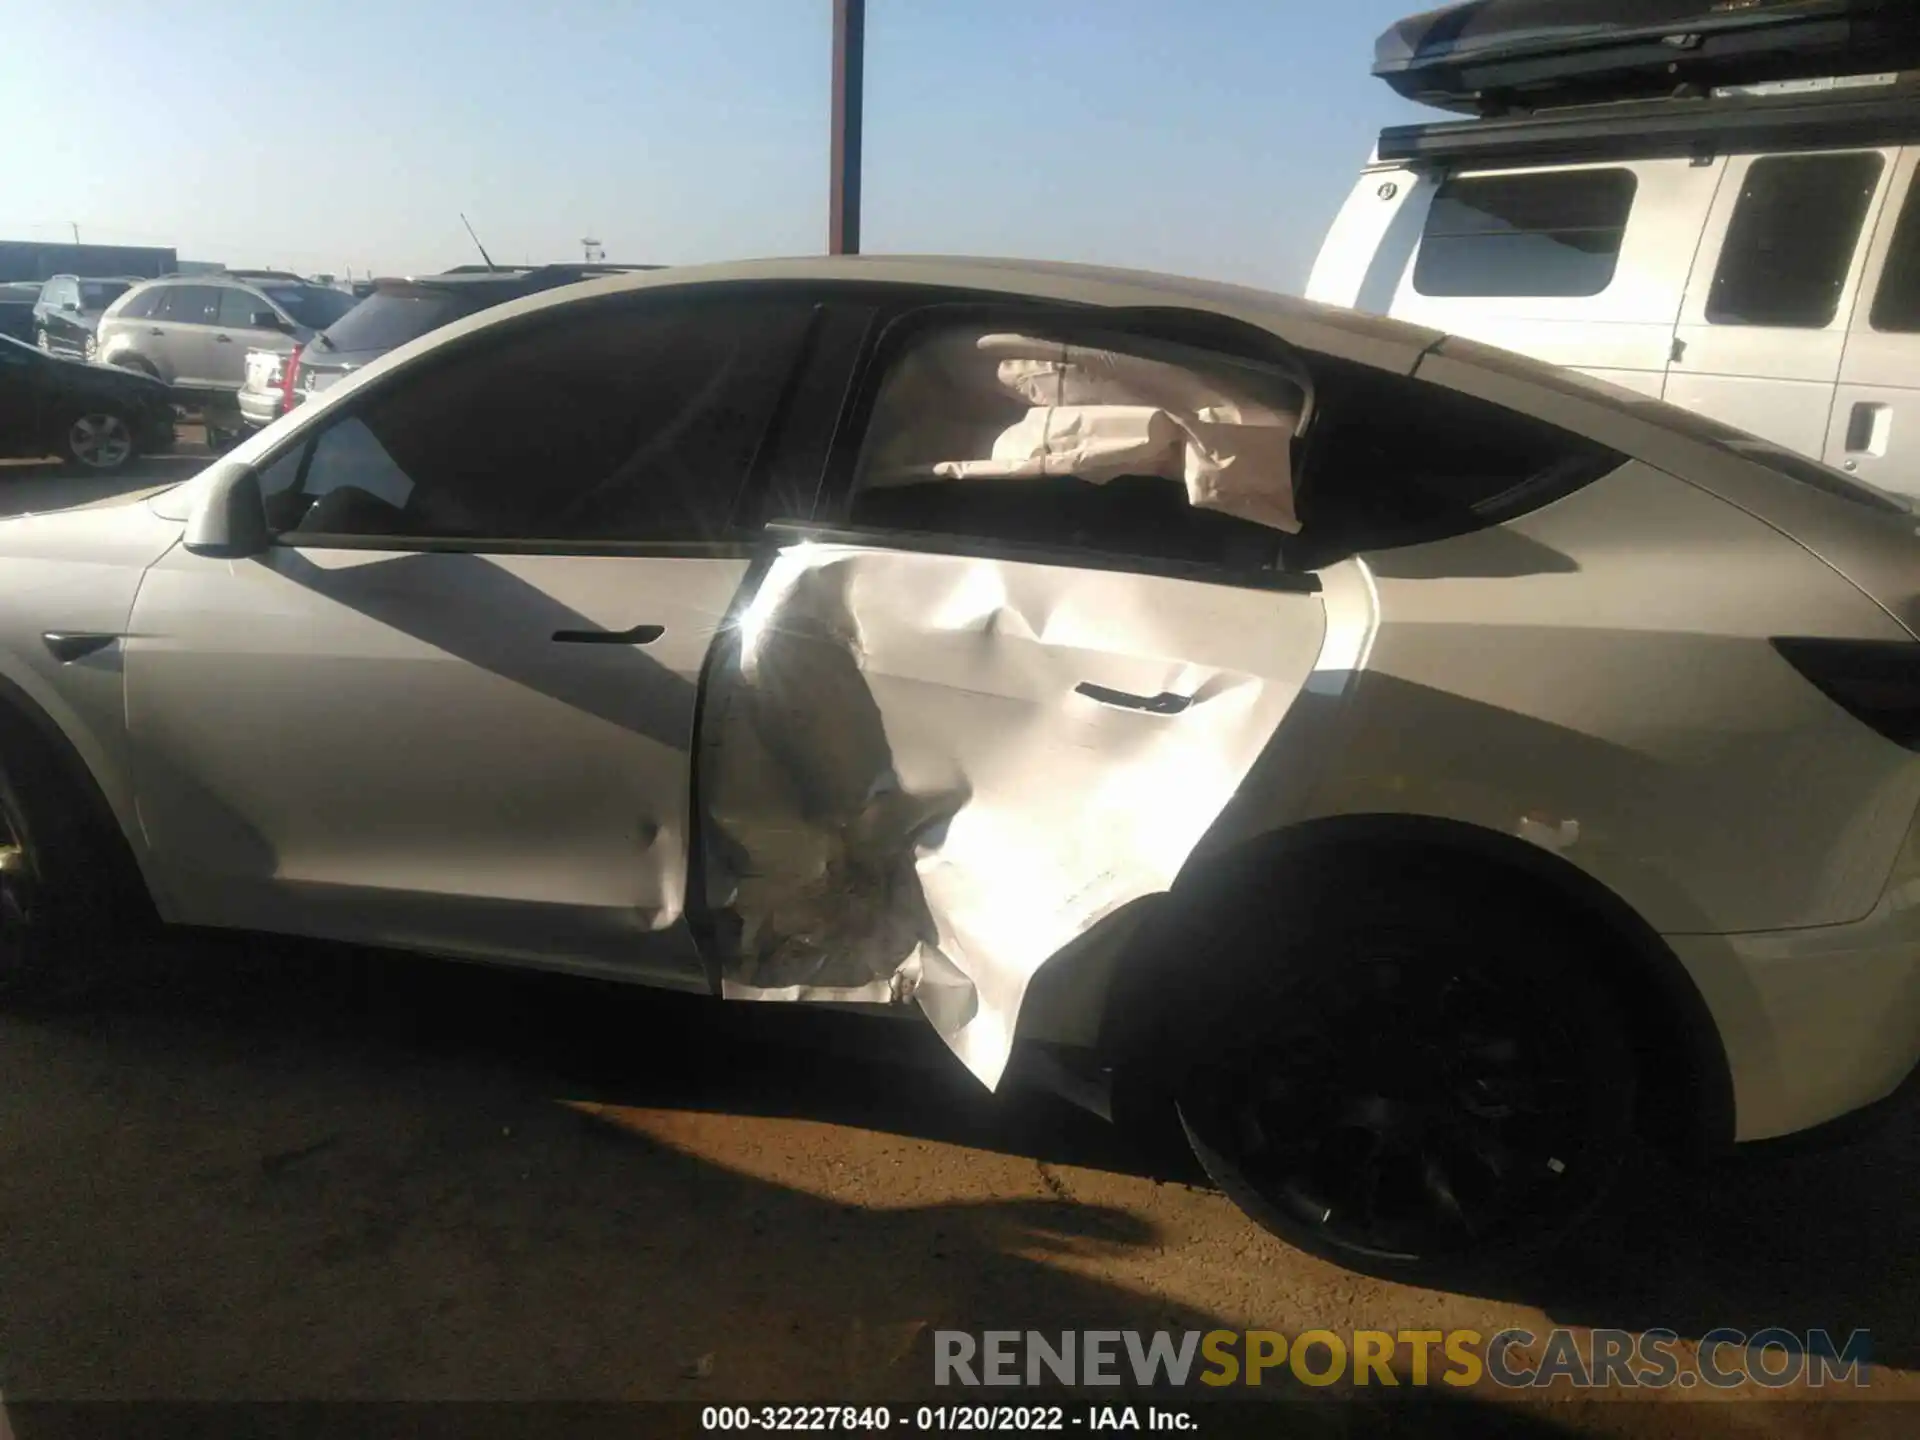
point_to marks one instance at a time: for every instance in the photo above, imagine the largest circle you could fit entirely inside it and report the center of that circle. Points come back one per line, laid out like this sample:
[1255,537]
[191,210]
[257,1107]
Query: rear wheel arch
[1686,1090]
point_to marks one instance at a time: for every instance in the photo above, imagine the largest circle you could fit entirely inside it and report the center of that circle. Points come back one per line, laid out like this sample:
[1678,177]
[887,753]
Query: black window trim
[743,544]
[899,326]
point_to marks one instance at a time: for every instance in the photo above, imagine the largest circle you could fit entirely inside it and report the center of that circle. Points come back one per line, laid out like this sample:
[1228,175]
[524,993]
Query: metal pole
[849,64]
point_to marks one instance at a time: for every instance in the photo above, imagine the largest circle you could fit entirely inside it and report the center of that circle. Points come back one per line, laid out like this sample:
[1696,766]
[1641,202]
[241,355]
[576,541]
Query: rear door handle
[638,635]
[1165,703]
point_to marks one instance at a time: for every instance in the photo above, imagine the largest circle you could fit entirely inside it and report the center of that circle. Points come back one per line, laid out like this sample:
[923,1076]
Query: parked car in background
[193,332]
[1732,226]
[17,300]
[92,417]
[278,377]
[68,310]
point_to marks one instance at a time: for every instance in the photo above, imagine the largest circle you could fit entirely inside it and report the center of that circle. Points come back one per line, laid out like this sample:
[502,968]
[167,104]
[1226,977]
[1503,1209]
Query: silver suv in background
[194,332]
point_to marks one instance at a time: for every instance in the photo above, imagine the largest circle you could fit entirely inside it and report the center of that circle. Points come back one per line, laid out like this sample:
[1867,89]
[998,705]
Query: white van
[1749,250]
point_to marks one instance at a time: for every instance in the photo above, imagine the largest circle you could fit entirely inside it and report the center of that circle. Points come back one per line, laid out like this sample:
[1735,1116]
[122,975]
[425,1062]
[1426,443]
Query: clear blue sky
[1207,137]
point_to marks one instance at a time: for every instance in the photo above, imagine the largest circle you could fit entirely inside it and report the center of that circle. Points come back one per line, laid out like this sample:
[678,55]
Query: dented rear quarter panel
[1596,677]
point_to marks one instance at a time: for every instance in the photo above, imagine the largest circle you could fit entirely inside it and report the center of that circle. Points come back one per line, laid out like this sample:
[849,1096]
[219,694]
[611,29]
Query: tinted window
[389,318]
[238,307]
[144,305]
[1151,451]
[1896,305]
[1791,239]
[623,423]
[1448,463]
[1557,233]
[314,306]
[192,304]
[98,294]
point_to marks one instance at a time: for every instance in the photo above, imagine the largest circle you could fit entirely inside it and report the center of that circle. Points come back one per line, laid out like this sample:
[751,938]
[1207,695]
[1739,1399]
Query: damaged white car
[1427,770]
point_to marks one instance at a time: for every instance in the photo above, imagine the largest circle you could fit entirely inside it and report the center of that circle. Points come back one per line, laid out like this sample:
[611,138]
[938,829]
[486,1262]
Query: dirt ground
[254,1169]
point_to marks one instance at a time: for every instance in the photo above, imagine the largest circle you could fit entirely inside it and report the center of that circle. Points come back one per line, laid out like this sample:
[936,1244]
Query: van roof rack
[1490,57]
[1880,109]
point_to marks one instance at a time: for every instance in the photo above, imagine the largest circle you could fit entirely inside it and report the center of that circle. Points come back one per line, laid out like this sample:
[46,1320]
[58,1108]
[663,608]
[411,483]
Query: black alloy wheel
[1418,1097]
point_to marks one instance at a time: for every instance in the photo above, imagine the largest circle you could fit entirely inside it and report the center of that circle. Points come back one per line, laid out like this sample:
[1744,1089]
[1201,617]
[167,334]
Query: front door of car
[1013,681]
[453,706]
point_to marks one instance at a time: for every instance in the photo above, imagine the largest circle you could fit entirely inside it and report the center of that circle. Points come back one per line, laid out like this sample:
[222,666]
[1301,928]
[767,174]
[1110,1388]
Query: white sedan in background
[1426,768]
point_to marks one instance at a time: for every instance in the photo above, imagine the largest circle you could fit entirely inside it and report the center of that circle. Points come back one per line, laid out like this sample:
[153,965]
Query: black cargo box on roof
[1489,57]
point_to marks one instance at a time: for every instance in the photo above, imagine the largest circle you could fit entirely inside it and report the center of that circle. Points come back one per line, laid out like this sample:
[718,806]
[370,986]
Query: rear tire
[67,889]
[1420,1081]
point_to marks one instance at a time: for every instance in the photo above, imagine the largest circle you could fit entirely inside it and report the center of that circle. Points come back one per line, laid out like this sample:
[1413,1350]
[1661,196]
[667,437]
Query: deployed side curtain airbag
[1098,414]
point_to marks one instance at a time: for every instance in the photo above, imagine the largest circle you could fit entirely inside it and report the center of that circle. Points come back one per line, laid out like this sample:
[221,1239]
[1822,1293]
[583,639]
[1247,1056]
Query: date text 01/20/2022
[957,1419]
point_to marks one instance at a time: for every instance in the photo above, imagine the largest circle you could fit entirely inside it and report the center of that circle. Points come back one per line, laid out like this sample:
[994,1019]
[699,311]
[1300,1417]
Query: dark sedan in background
[94,418]
[67,312]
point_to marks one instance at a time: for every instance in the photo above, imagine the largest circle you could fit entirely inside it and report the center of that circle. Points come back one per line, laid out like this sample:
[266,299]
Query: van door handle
[638,635]
[1868,424]
[1165,703]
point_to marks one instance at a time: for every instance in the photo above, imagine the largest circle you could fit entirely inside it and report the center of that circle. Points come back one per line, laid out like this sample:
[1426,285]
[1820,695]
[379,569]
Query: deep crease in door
[922,776]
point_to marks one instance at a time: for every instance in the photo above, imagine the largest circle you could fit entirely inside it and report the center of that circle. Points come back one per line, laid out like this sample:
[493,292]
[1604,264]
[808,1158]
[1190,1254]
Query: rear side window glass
[1114,445]
[1896,304]
[1556,233]
[387,319]
[1784,261]
[1447,464]
[238,307]
[143,306]
[193,304]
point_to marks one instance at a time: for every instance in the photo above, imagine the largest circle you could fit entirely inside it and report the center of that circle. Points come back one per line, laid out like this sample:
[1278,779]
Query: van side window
[1553,233]
[1791,239]
[1896,305]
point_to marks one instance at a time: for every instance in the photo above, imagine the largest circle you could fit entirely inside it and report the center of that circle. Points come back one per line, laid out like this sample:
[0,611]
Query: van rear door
[1874,428]
[1773,285]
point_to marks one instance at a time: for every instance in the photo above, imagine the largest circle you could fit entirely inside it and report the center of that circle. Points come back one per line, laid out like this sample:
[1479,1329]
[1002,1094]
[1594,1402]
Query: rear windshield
[389,318]
[98,294]
[314,306]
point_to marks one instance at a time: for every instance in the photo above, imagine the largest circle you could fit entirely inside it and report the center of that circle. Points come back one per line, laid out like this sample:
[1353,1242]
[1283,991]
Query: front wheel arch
[1686,1104]
[25,724]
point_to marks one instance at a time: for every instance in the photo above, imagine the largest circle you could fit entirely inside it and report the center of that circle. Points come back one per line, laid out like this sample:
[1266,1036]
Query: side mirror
[267,320]
[230,520]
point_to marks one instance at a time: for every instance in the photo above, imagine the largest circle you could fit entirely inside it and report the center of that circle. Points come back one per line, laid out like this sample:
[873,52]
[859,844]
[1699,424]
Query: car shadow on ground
[246,1168]
[1777,1236]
